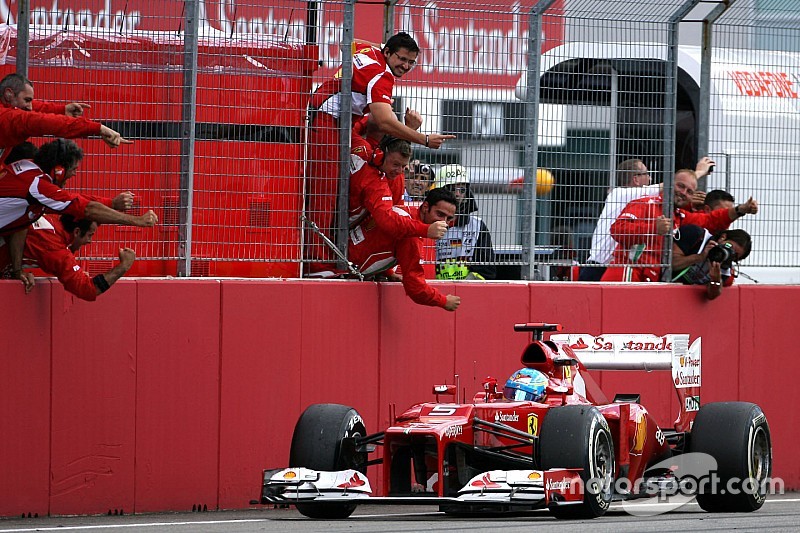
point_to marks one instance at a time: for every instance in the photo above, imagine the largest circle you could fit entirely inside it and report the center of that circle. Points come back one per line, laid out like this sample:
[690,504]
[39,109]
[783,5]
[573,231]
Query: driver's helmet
[526,384]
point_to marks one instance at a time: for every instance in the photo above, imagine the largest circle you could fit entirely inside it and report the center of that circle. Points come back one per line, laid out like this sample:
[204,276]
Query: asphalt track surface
[780,513]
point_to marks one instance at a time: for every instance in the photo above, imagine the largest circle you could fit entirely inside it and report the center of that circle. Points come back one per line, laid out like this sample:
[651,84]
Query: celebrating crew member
[17,91]
[17,124]
[375,251]
[377,184]
[28,187]
[640,228]
[51,245]
[374,71]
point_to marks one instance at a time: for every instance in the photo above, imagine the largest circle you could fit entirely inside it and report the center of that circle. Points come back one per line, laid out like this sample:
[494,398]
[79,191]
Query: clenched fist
[437,229]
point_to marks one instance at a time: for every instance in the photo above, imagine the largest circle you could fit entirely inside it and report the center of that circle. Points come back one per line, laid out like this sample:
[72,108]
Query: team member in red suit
[17,91]
[374,251]
[372,84]
[377,184]
[20,120]
[27,150]
[51,245]
[640,228]
[28,187]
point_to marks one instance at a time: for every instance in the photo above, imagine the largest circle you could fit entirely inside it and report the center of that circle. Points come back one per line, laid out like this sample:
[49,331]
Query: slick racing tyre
[577,436]
[317,444]
[736,435]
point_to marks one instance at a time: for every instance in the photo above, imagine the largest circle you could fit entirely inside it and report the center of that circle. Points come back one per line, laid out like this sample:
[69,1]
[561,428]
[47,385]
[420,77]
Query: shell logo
[289,475]
[534,476]
[640,435]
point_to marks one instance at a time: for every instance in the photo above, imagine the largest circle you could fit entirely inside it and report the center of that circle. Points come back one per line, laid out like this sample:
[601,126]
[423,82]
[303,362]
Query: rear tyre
[577,436]
[737,435]
[317,444]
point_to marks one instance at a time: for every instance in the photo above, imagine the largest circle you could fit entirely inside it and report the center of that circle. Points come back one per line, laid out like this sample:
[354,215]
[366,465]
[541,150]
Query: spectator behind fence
[697,259]
[17,124]
[28,187]
[466,251]
[640,228]
[633,181]
[374,251]
[17,91]
[419,179]
[717,199]
[372,85]
[51,245]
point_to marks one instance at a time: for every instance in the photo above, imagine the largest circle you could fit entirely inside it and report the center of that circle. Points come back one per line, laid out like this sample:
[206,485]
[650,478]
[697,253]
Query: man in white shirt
[633,181]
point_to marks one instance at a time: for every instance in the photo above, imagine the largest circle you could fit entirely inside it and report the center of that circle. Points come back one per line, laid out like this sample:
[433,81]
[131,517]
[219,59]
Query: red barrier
[173,394]
[25,399]
[261,336]
[94,391]
[768,367]
[478,356]
[177,394]
[417,347]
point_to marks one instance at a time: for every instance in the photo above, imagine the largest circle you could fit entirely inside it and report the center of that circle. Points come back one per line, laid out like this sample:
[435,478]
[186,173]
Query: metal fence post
[388,19]
[704,113]
[23,35]
[345,126]
[670,106]
[531,140]
[188,120]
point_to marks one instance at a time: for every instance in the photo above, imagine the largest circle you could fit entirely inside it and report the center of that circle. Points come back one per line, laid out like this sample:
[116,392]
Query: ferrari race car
[548,439]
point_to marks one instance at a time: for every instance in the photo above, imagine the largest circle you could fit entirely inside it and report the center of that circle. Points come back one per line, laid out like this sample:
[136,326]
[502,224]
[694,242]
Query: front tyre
[736,435]
[577,436]
[317,444]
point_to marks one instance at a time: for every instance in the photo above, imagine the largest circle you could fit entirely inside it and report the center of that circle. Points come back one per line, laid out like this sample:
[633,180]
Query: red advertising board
[459,40]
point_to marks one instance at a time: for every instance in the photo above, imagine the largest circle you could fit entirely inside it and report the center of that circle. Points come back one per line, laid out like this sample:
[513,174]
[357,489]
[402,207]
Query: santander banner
[462,41]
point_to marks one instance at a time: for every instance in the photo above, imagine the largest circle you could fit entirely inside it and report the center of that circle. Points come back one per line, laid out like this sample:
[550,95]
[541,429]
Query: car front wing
[532,488]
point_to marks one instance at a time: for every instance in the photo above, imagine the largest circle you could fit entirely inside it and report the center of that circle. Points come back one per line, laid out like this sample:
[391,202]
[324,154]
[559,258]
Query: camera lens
[722,254]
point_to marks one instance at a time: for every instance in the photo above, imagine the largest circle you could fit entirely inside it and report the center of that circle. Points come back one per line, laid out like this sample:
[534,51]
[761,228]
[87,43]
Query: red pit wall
[168,394]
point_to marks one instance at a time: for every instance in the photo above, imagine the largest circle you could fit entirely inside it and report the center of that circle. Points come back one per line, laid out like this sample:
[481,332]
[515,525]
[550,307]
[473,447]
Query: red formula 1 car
[549,438]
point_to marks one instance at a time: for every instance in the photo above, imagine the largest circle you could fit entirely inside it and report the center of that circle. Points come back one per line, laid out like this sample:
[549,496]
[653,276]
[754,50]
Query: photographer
[697,259]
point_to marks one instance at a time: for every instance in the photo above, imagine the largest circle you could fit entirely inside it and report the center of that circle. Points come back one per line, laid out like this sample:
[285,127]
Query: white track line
[242,521]
[149,524]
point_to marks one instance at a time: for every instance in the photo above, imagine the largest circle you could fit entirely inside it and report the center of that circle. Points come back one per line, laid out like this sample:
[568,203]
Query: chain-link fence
[546,99]
[754,121]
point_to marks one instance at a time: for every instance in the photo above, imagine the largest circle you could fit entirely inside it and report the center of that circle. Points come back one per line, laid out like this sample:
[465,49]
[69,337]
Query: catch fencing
[214,95]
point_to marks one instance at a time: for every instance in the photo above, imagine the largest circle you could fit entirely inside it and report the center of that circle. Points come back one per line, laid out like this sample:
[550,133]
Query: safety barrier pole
[345,127]
[531,142]
[704,111]
[188,121]
[23,35]
[670,107]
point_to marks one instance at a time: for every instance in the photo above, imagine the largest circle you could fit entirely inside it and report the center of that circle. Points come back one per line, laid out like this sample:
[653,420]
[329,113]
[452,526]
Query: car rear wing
[645,352]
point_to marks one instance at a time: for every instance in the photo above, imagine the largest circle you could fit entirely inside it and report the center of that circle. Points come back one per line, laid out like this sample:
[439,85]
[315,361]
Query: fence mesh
[754,121]
[222,151]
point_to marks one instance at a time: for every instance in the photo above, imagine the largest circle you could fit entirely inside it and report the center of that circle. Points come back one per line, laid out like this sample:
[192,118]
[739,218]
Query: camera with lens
[722,254]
